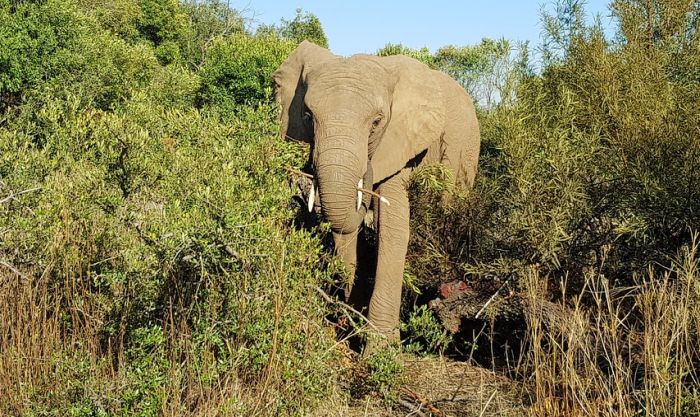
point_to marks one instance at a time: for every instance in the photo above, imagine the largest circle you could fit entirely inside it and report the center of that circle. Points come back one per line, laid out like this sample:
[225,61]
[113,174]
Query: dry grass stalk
[616,353]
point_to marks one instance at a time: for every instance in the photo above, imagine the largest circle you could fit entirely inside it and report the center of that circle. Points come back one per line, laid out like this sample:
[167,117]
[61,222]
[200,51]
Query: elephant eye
[307,116]
[376,122]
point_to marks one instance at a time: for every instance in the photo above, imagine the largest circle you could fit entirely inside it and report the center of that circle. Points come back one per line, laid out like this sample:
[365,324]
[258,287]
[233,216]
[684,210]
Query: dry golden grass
[447,387]
[615,351]
[51,352]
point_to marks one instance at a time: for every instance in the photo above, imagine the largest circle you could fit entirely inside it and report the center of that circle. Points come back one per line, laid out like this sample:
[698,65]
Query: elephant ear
[290,88]
[417,117]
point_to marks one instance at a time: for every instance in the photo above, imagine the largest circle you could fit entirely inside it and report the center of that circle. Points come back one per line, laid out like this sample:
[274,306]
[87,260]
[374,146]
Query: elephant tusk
[359,195]
[312,197]
[370,192]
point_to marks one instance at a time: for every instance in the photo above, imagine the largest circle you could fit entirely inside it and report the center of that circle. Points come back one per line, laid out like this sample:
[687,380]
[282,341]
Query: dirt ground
[440,387]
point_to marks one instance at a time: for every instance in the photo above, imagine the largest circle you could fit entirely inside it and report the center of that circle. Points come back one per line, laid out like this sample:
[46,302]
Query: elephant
[370,122]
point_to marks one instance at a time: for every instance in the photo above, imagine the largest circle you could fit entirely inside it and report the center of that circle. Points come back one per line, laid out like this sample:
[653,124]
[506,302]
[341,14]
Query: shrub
[120,17]
[145,246]
[209,20]
[304,26]
[425,334]
[585,188]
[36,36]
[593,159]
[158,237]
[385,371]
[174,86]
[423,54]
[237,69]
[68,55]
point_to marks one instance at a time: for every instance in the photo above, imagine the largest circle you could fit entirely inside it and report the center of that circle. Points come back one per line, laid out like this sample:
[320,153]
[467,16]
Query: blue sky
[365,26]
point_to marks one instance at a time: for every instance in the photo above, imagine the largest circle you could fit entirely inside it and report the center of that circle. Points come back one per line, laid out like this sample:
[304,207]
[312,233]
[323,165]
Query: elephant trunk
[342,169]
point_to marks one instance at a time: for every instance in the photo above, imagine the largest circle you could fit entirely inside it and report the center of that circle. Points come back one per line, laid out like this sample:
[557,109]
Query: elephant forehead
[341,114]
[349,71]
[342,101]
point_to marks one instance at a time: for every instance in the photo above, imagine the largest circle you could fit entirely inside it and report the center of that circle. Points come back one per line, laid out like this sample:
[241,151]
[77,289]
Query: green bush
[120,17]
[304,26]
[36,39]
[236,70]
[589,165]
[424,333]
[163,218]
[53,51]
[180,32]
[422,54]
[160,20]
[151,243]
[208,20]
[174,87]
[385,372]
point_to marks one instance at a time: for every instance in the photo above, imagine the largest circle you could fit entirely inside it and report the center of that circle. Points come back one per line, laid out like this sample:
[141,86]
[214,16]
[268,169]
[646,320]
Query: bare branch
[13,196]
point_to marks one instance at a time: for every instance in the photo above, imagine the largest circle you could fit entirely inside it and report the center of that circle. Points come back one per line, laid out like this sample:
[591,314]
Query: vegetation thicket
[150,262]
[147,260]
[584,217]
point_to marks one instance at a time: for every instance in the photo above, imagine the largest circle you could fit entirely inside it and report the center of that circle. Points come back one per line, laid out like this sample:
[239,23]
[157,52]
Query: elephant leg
[385,304]
[346,248]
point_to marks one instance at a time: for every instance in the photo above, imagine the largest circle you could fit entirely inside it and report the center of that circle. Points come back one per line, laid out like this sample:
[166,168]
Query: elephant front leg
[346,248]
[393,223]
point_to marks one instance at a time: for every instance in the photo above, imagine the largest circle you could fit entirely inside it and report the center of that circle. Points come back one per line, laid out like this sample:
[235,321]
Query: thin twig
[414,409]
[294,139]
[92,265]
[492,298]
[297,172]
[422,401]
[13,195]
[483,410]
[13,269]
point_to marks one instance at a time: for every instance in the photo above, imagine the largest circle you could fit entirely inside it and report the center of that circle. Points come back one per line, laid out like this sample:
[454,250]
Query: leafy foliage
[36,39]
[304,26]
[592,163]
[385,371]
[148,242]
[423,54]
[425,333]
[209,20]
[236,70]
[586,185]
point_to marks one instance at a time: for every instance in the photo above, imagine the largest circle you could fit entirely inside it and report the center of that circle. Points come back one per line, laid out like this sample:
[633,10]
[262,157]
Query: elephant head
[366,117]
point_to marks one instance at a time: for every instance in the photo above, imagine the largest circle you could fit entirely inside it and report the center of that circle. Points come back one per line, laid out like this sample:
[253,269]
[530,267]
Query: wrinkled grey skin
[374,119]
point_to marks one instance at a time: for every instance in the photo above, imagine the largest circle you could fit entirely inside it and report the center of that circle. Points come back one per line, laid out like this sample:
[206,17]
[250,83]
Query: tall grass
[616,351]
